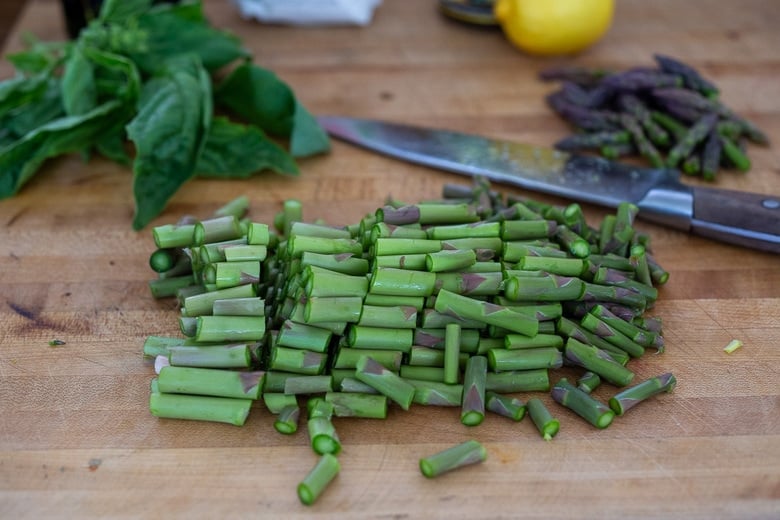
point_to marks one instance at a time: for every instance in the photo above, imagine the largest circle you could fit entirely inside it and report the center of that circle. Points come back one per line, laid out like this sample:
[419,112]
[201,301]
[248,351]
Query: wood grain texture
[76,436]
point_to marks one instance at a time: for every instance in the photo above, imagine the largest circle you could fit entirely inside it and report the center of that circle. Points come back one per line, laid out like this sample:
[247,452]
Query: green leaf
[39,56]
[19,91]
[116,77]
[169,133]
[79,94]
[30,61]
[308,137]
[112,146]
[121,10]
[179,29]
[20,160]
[259,96]
[238,151]
[25,119]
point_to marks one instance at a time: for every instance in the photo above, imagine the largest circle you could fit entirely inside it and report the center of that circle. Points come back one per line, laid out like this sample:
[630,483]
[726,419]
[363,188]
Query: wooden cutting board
[77,439]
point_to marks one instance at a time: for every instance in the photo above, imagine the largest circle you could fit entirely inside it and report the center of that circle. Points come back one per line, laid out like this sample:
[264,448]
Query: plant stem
[469,452]
[542,418]
[320,476]
[630,397]
[583,404]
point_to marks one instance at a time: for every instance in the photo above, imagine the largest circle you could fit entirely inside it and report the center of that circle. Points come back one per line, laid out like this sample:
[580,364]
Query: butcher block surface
[76,436]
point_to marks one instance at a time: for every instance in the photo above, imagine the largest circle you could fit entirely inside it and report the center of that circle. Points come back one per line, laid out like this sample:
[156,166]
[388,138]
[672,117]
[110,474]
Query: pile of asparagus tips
[670,115]
[475,301]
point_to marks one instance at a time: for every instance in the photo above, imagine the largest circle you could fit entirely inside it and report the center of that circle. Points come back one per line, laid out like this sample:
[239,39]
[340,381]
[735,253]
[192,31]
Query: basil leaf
[308,137]
[263,99]
[20,160]
[238,151]
[112,146]
[116,77]
[29,117]
[179,29]
[21,90]
[79,94]
[169,133]
[121,10]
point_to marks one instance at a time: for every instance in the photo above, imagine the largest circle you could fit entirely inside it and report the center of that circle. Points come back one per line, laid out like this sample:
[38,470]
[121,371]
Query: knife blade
[741,218]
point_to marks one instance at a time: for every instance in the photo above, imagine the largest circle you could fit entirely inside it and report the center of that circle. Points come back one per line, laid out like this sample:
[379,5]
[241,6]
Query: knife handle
[746,219]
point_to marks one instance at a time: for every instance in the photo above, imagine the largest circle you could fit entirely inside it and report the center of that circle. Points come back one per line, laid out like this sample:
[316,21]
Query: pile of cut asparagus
[670,115]
[469,301]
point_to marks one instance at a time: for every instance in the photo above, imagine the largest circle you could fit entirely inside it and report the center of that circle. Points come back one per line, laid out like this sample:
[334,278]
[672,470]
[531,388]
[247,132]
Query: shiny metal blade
[582,178]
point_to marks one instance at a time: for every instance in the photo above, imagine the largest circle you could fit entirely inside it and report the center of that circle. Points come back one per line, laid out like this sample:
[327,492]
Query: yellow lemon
[551,27]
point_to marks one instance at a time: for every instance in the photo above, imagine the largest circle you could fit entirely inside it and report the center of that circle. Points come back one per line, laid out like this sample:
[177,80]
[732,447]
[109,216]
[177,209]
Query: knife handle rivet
[770,203]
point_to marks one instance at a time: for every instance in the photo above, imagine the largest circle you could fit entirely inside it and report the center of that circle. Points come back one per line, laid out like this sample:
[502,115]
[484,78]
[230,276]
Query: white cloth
[309,12]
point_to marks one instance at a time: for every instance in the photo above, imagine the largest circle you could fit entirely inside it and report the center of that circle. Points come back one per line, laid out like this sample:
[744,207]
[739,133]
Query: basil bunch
[146,74]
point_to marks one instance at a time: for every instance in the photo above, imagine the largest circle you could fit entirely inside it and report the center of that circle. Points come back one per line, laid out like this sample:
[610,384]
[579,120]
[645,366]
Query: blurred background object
[309,12]
[10,10]
[478,12]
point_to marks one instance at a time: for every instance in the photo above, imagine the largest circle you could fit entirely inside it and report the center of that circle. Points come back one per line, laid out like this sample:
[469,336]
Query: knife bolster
[670,206]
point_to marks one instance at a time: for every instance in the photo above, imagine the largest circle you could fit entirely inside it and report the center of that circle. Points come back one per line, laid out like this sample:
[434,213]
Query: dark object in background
[79,12]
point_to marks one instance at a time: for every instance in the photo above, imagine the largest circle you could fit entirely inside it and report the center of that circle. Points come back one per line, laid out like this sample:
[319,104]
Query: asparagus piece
[319,309]
[595,360]
[469,283]
[711,156]
[352,404]
[435,393]
[297,361]
[348,357]
[583,404]
[344,263]
[450,260]
[413,262]
[229,328]
[396,316]
[470,230]
[405,246]
[210,381]
[308,384]
[286,421]
[550,288]
[320,476]
[690,76]
[276,402]
[547,425]
[423,373]
[474,380]
[384,381]
[518,341]
[382,338]
[696,134]
[322,433]
[469,308]
[302,336]
[469,452]
[452,353]
[503,360]
[537,380]
[732,346]
[588,382]
[602,329]
[239,307]
[216,356]
[630,397]
[200,408]
[428,214]
[203,304]
[401,282]
[505,405]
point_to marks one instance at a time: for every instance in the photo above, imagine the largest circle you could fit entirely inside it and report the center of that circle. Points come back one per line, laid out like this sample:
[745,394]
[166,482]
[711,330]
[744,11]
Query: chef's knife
[747,219]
